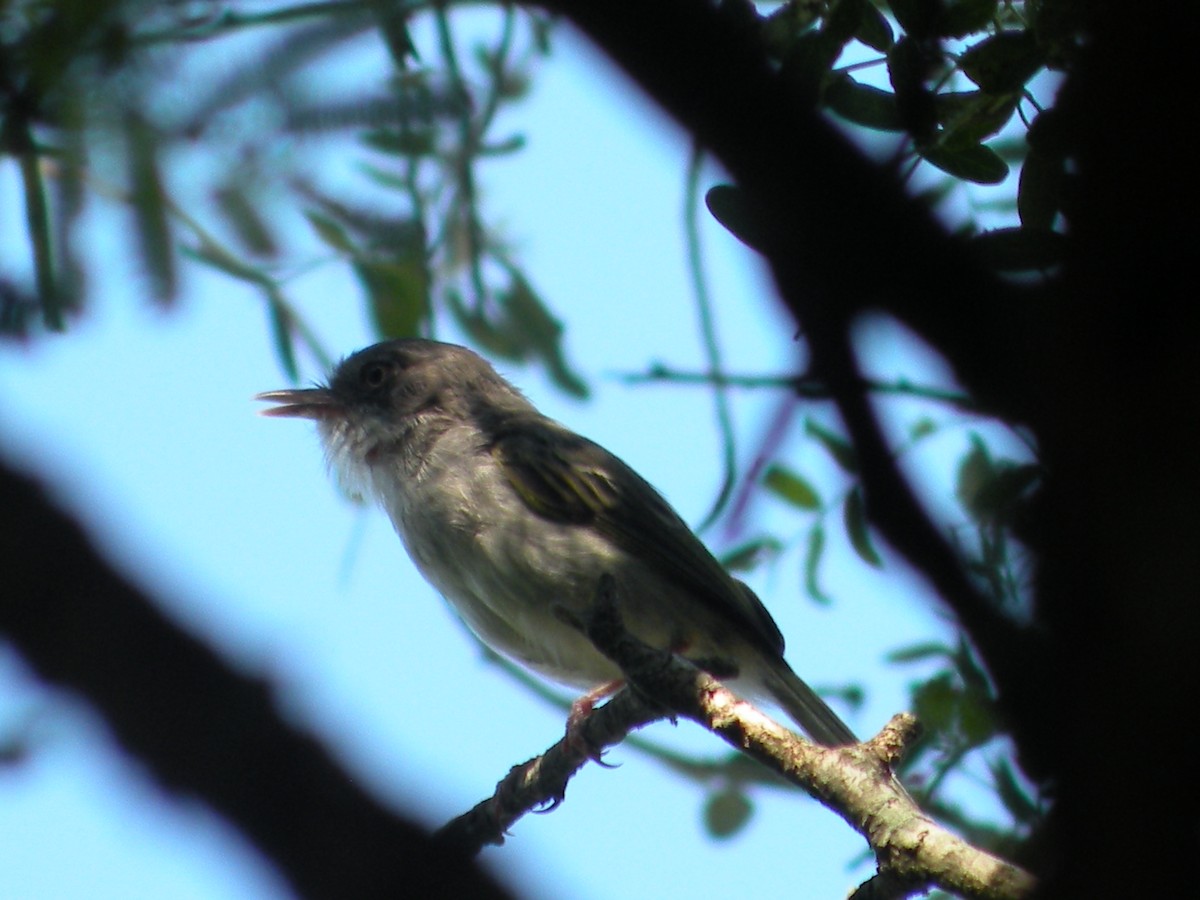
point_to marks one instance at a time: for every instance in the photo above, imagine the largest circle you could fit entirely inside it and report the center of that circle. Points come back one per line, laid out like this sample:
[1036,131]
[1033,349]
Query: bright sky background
[143,423]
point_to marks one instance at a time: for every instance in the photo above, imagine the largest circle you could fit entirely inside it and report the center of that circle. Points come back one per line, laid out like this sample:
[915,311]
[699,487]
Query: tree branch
[913,852]
[542,781]
[201,728]
[818,203]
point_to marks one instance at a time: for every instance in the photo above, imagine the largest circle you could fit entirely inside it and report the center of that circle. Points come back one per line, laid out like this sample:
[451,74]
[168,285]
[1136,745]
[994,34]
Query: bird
[514,519]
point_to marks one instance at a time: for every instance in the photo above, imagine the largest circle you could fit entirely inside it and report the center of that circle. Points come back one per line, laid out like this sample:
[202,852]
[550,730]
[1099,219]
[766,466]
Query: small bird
[514,519]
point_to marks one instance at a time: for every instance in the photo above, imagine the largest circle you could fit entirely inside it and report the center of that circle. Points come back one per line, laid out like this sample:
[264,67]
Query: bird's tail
[808,710]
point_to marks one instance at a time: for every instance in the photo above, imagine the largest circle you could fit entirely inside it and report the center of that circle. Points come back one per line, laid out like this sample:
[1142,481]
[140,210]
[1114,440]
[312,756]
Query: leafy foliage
[420,244]
[953,93]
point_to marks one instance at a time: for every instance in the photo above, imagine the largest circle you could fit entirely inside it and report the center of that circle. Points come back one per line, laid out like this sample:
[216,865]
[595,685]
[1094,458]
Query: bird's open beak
[305,403]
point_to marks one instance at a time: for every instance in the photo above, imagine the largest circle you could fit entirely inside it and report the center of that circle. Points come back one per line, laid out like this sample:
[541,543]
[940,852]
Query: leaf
[935,703]
[330,231]
[875,30]
[413,141]
[920,652]
[37,222]
[220,259]
[542,331]
[727,812]
[918,18]
[490,336]
[990,491]
[812,562]
[974,116]
[790,486]
[808,62]
[854,516]
[838,447]
[749,554]
[398,294]
[975,163]
[245,221]
[281,332]
[909,63]
[781,27]
[1019,804]
[1003,62]
[976,717]
[963,17]
[921,428]
[974,472]
[149,201]
[1020,249]
[1039,191]
[862,104]
[393,26]
[843,19]
[727,204]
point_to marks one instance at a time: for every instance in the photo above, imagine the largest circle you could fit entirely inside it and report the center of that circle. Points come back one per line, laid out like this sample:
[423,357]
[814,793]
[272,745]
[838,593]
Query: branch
[856,782]
[819,203]
[203,730]
[913,853]
[542,781]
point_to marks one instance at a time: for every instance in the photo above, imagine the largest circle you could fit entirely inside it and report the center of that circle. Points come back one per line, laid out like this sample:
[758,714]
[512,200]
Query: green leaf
[920,653]
[781,27]
[918,18]
[398,294]
[245,221]
[220,259]
[863,104]
[329,231]
[808,62]
[1039,192]
[728,205]
[812,562]
[37,222]
[875,30]
[976,718]
[963,17]
[835,445]
[542,331]
[727,812]
[1019,804]
[414,141]
[1003,62]
[749,554]
[491,336]
[975,471]
[393,26]
[792,487]
[1020,249]
[281,332]
[935,703]
[843,20]
[921,428]
[854,516]
[990,491]
[149,201]
[909,64]
[974,116]
[975,163]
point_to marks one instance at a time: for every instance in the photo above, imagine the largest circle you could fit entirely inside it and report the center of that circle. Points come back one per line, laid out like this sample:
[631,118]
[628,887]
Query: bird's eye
[373,375]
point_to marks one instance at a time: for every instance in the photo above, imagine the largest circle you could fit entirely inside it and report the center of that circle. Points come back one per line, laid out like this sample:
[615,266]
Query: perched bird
[514,519]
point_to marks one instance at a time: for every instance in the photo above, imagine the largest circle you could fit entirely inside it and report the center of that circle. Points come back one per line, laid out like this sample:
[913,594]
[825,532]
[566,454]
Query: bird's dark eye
[373,375]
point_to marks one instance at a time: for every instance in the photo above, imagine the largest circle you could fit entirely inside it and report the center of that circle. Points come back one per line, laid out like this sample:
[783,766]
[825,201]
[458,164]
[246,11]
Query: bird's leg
[581,709]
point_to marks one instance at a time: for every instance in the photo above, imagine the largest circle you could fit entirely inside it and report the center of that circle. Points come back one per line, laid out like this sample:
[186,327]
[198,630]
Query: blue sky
[143,423]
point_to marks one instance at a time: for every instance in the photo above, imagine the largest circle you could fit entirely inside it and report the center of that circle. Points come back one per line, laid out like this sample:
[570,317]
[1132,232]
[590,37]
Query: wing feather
[569,479]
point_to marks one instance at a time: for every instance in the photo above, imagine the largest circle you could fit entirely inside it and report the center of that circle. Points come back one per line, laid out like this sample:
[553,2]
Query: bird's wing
[567,478]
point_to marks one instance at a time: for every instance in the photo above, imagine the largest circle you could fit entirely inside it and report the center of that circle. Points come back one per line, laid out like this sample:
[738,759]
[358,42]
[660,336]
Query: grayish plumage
[514,518]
